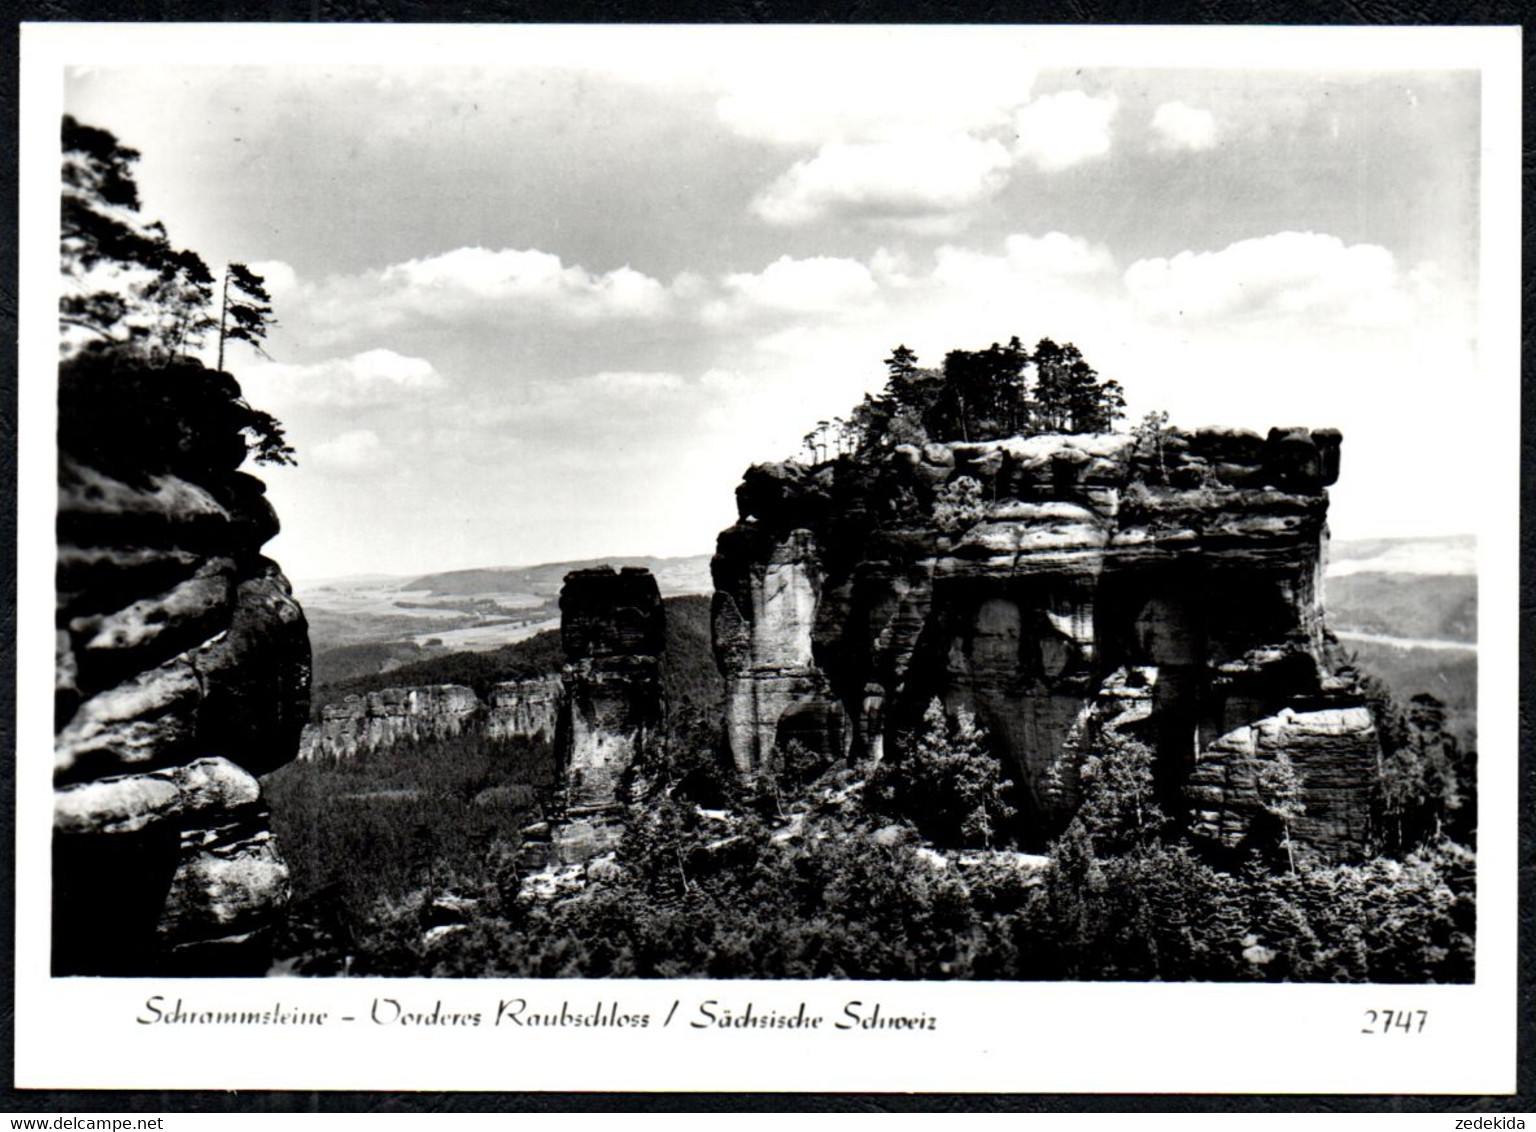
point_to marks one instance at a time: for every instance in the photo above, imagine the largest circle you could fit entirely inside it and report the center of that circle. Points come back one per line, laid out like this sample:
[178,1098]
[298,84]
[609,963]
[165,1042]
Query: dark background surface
[1505,12]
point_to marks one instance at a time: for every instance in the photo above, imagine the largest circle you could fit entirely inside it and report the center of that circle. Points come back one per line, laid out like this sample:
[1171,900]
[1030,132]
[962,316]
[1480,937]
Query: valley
[373,624]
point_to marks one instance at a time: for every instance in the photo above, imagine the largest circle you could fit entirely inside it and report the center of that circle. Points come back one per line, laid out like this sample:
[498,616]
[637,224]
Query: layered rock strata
[613,631]
[359,724]
[1056,587]
[181,674]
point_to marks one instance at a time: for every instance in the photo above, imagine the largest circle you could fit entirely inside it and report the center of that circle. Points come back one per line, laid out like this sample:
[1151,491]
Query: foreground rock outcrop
[182,673]
[613,630]
[1059,588]
[359,724]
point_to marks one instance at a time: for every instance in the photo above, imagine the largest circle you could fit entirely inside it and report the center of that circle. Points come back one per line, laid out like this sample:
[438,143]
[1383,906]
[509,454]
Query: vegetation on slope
[835,876]
[359,833]
[351,662]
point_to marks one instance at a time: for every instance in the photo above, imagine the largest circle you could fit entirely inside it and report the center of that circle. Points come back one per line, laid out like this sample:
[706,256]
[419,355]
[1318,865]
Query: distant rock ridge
[359,724]
[182,673]
[1054,586]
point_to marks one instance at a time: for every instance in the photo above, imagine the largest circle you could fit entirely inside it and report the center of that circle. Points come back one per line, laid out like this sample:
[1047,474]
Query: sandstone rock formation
[613,630]
[1056,587]
[523,708]
[182,672]
[359,724]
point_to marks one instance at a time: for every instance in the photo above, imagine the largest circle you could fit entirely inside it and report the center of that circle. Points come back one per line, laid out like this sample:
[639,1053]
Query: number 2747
[1386,1021]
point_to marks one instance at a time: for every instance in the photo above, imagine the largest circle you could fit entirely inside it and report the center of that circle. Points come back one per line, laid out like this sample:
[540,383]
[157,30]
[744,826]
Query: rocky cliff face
[613,630]
[182,673]
[1056,587]
[523,708]
[393,715]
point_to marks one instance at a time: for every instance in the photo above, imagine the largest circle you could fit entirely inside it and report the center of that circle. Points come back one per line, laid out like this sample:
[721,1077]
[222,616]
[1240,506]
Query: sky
[550,306]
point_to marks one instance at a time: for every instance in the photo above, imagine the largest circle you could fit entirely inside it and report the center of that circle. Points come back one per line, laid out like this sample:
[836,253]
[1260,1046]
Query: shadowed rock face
[379,719]
[1171,594]
[613,629]
[182,672]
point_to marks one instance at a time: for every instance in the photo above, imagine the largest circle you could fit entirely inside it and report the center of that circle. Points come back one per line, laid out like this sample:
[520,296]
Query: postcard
[966,559]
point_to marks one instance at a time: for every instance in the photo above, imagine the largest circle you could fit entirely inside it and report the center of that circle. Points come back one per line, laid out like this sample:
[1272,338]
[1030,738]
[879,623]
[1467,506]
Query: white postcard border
[992,1037]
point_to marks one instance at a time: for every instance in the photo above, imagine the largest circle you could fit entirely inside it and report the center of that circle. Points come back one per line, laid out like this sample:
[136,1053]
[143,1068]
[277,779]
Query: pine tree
[1147,447]
[1279,789]
[106,251]
[140,296]
[1119,808]
[126,283]
[249,316]
[180,297]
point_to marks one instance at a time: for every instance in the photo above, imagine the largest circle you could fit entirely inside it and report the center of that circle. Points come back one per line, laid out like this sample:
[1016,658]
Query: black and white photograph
[625,507]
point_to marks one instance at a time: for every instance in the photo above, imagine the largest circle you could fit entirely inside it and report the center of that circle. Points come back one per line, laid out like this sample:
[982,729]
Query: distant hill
[1405,609]
[1408,606]
[1437,555]
[674,575]
[367,624]
[689,675]
[537,656]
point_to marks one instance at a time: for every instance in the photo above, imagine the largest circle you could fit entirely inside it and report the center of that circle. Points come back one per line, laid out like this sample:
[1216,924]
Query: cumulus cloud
[821,285]
[371,377]
[476,282]
[1052,255]
[1178,126]
[902,134]
[357,450]
[919,178]
[1057,131]
[1048,280]
[1289,272]
[838,95]
[513,276]
[473,290]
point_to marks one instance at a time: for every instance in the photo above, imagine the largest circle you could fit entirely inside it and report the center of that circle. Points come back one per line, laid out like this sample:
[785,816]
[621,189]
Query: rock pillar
[613,631]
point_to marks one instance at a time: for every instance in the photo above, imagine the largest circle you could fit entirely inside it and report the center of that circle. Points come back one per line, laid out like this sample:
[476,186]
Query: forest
[975,395]
[842,871]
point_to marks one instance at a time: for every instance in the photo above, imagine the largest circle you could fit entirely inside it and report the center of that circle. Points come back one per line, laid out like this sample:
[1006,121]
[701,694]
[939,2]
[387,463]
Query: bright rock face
[182,672]
[773,683]
[523,708]
[1173,595]
[613,630]
[394,715]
